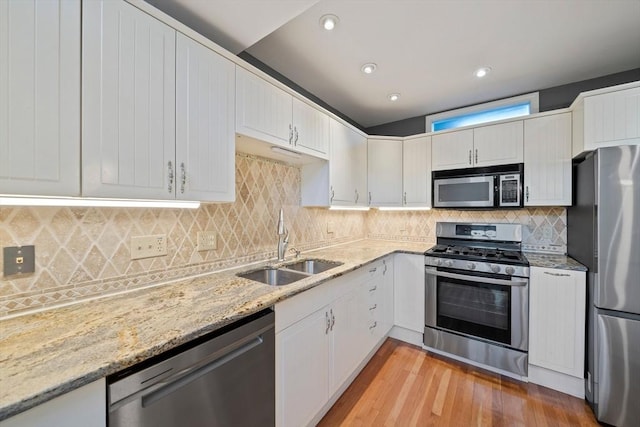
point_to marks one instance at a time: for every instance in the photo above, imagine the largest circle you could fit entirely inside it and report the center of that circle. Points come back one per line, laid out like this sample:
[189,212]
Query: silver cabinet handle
[469,156]
[527,193]
[404,198]
[373,270]
[295,140]
[333,194]
[290,133]
[183,178]
[476,155]
[373,289]
[384,262]
[374,325]
[333,320]
[171,176]
[373,307]
[369,197]
[557,274]
[328,322]
[357,195]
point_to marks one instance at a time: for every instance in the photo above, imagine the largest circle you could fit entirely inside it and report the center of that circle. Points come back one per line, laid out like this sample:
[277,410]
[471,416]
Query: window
[483,113]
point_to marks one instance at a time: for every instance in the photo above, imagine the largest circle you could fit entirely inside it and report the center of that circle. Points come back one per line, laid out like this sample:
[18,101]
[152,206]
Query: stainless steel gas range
[477,294]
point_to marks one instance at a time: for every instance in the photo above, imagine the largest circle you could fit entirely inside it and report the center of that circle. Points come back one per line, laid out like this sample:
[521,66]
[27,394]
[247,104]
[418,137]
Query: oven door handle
[477,278]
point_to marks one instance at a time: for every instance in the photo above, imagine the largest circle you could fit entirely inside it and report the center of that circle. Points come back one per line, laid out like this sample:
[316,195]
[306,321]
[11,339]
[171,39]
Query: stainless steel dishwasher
[224,379]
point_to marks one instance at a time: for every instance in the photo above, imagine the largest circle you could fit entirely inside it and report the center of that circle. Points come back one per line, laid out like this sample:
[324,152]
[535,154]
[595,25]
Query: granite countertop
[558,261]
[46,354]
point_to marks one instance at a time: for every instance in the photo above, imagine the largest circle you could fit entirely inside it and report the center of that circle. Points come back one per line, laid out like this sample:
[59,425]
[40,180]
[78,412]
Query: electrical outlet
[207,241]
[330,227]
[19,260]
[148,246]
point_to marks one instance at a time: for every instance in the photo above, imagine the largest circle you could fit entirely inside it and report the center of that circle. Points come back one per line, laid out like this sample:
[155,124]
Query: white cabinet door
[416,171]
[612,119]
[384,164]
[205,123]
[557,320]
[408,287]
[547,157]
[82,407]
[452,150]
[302,379]
[347,166]
[128,102]
[500,144]
[263,111]
[386,295]
[310,129]
[40,97]
[348,335]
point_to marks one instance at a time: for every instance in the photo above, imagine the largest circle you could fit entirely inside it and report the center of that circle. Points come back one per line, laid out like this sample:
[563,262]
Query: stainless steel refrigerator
[604,234]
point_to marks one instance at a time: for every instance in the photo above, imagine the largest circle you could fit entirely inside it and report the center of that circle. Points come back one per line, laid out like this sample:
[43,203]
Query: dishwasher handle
[189,375]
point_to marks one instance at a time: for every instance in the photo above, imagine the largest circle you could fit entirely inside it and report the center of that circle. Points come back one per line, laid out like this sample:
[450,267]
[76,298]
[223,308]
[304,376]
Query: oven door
[489,307]
[466,192]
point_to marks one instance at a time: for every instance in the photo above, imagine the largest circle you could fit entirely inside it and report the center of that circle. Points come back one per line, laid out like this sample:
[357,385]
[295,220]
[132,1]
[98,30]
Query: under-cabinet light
[348,208]
[404,208]
[91,202]
[285,152]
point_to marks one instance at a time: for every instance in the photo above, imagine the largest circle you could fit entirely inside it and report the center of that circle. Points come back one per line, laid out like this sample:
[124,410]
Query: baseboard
[557,381]
[407,335]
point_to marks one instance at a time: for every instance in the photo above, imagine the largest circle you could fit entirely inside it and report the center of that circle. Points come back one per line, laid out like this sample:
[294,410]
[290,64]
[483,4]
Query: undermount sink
[274,276]
[312,266]
[289,273]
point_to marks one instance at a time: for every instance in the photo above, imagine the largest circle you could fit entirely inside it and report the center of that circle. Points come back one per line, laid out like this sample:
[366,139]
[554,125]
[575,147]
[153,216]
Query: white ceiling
[427,50]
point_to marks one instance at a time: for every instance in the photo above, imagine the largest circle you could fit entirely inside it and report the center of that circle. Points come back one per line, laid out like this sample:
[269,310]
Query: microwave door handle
[477,278]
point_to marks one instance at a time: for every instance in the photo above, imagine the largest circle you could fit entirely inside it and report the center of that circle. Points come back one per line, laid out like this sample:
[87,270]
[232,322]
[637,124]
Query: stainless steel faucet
[283,237]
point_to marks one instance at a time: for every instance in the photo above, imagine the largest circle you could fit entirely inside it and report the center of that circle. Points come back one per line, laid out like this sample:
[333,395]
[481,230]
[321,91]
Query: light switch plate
[207,241]
[19,260]
[148,246]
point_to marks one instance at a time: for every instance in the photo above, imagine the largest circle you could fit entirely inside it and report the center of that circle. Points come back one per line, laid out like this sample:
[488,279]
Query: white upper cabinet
[205,123]
[607,117]
[347,166]
[384,162]
[263,111]
[491,145]
[268,113]
[547,156]
[500,144]
[128,103]
[452,150]
[40,97]
[416,171]
[310,129]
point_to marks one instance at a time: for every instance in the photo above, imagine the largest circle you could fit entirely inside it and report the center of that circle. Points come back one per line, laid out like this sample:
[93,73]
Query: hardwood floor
[404,386]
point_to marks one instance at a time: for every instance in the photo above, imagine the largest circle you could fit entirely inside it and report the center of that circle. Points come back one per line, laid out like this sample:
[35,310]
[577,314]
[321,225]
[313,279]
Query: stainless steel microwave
[490,187]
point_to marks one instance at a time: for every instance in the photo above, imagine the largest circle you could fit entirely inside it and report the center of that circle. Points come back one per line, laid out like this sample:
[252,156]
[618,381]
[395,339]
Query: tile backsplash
[84,252]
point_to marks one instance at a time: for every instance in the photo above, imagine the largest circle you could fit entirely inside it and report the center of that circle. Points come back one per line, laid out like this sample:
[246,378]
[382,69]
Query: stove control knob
[438,261]
[510,270]
[495,268]
[471,266]
[449,263]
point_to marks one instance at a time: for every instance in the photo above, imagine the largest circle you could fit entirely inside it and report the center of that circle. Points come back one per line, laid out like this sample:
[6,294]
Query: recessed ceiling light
[394,97]
[329,22]
[481,72]
[369,68]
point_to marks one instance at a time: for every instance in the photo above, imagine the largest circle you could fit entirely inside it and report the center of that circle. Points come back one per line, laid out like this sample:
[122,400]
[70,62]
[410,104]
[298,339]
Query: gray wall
[550,99]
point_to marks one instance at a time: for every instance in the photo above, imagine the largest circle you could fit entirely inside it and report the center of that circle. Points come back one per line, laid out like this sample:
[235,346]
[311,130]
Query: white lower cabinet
[557,307]
[324,336]
[408,286]
[82,407]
